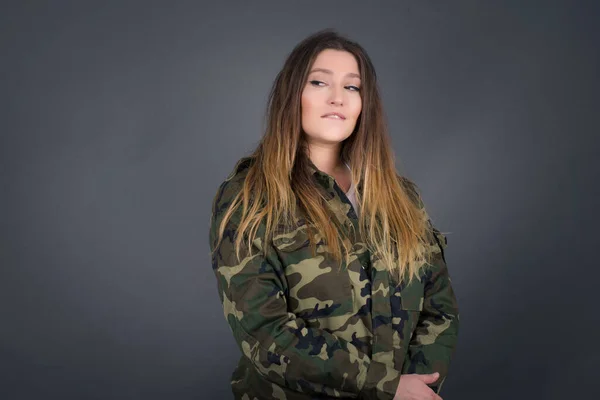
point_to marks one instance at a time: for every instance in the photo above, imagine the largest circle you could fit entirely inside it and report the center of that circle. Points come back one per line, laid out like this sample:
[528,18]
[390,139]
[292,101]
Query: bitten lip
[342,116]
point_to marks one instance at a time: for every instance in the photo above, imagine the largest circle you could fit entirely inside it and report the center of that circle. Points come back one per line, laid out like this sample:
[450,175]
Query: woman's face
[332,87]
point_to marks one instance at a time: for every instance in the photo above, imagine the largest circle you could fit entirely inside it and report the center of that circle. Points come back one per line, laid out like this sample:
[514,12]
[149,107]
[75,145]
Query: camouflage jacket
[307,329]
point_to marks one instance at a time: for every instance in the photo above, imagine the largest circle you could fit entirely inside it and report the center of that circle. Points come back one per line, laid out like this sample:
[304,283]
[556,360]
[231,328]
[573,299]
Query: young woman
[332,277]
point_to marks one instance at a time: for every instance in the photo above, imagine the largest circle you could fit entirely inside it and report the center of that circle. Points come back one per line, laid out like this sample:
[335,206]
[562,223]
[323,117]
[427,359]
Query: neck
[327,159]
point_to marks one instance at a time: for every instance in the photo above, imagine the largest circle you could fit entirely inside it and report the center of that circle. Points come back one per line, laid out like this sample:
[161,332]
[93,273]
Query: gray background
[120,119]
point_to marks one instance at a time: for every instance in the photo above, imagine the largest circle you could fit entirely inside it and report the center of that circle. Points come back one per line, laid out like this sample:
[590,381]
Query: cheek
[308,106]
[357,109]
[305,112]
[305,105]
[307,98]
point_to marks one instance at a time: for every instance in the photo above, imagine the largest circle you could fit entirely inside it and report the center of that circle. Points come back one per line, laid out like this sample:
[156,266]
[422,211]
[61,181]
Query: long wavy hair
[393,220]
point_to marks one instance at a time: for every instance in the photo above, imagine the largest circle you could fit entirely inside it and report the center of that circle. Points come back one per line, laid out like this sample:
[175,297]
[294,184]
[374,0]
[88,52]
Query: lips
[334,115]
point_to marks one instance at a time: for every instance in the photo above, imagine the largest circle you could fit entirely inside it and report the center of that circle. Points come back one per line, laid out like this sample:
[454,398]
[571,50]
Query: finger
[429,378]
[425,377]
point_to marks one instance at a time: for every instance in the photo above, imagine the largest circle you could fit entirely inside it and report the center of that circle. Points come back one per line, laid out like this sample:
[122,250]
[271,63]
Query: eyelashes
[351,87]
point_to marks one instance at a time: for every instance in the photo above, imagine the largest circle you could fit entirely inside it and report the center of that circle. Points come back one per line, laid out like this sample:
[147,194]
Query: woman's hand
[414,387]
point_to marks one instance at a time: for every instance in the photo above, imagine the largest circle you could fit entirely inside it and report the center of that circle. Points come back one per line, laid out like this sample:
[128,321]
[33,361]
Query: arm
[279,344]
[434,340]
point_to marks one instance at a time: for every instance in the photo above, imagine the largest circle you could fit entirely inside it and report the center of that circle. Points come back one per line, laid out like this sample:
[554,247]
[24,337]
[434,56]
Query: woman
[331,275]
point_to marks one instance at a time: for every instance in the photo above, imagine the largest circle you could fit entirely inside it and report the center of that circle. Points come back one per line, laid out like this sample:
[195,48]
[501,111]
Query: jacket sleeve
[434,340]
[282,348]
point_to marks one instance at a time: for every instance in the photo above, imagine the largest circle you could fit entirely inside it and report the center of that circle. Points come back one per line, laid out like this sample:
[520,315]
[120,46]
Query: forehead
[338,61]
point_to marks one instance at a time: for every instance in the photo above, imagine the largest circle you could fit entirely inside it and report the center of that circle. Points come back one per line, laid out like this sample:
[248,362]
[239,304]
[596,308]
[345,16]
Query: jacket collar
[245,162]
[312,168]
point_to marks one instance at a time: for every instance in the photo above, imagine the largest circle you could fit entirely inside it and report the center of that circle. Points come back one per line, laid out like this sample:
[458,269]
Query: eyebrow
[328,71]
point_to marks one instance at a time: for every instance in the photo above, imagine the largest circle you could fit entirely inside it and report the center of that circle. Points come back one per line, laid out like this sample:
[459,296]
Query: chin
[333,137]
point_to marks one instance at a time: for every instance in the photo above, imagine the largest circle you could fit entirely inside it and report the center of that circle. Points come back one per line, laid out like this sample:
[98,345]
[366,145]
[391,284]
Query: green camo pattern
[307,329]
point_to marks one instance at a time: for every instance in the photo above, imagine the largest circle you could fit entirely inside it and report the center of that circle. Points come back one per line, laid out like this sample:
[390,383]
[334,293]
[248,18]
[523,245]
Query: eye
[318,84]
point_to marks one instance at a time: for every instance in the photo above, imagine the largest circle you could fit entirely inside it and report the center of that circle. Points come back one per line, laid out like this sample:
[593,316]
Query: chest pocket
[318,288]
[411,296]
[406,305]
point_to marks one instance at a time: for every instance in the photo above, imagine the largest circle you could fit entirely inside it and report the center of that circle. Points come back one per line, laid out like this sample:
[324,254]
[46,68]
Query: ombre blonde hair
[393,220]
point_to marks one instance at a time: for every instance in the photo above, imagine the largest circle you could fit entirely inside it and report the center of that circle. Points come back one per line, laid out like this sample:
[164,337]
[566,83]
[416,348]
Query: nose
[335,96]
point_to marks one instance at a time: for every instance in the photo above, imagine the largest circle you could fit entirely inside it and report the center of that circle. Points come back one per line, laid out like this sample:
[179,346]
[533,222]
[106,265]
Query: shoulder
[226,192]
[414,192]
[232,184]
[241,168]
[411,189]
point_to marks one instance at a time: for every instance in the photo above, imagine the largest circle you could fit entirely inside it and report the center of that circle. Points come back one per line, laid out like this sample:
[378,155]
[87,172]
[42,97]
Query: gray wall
[119,120]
